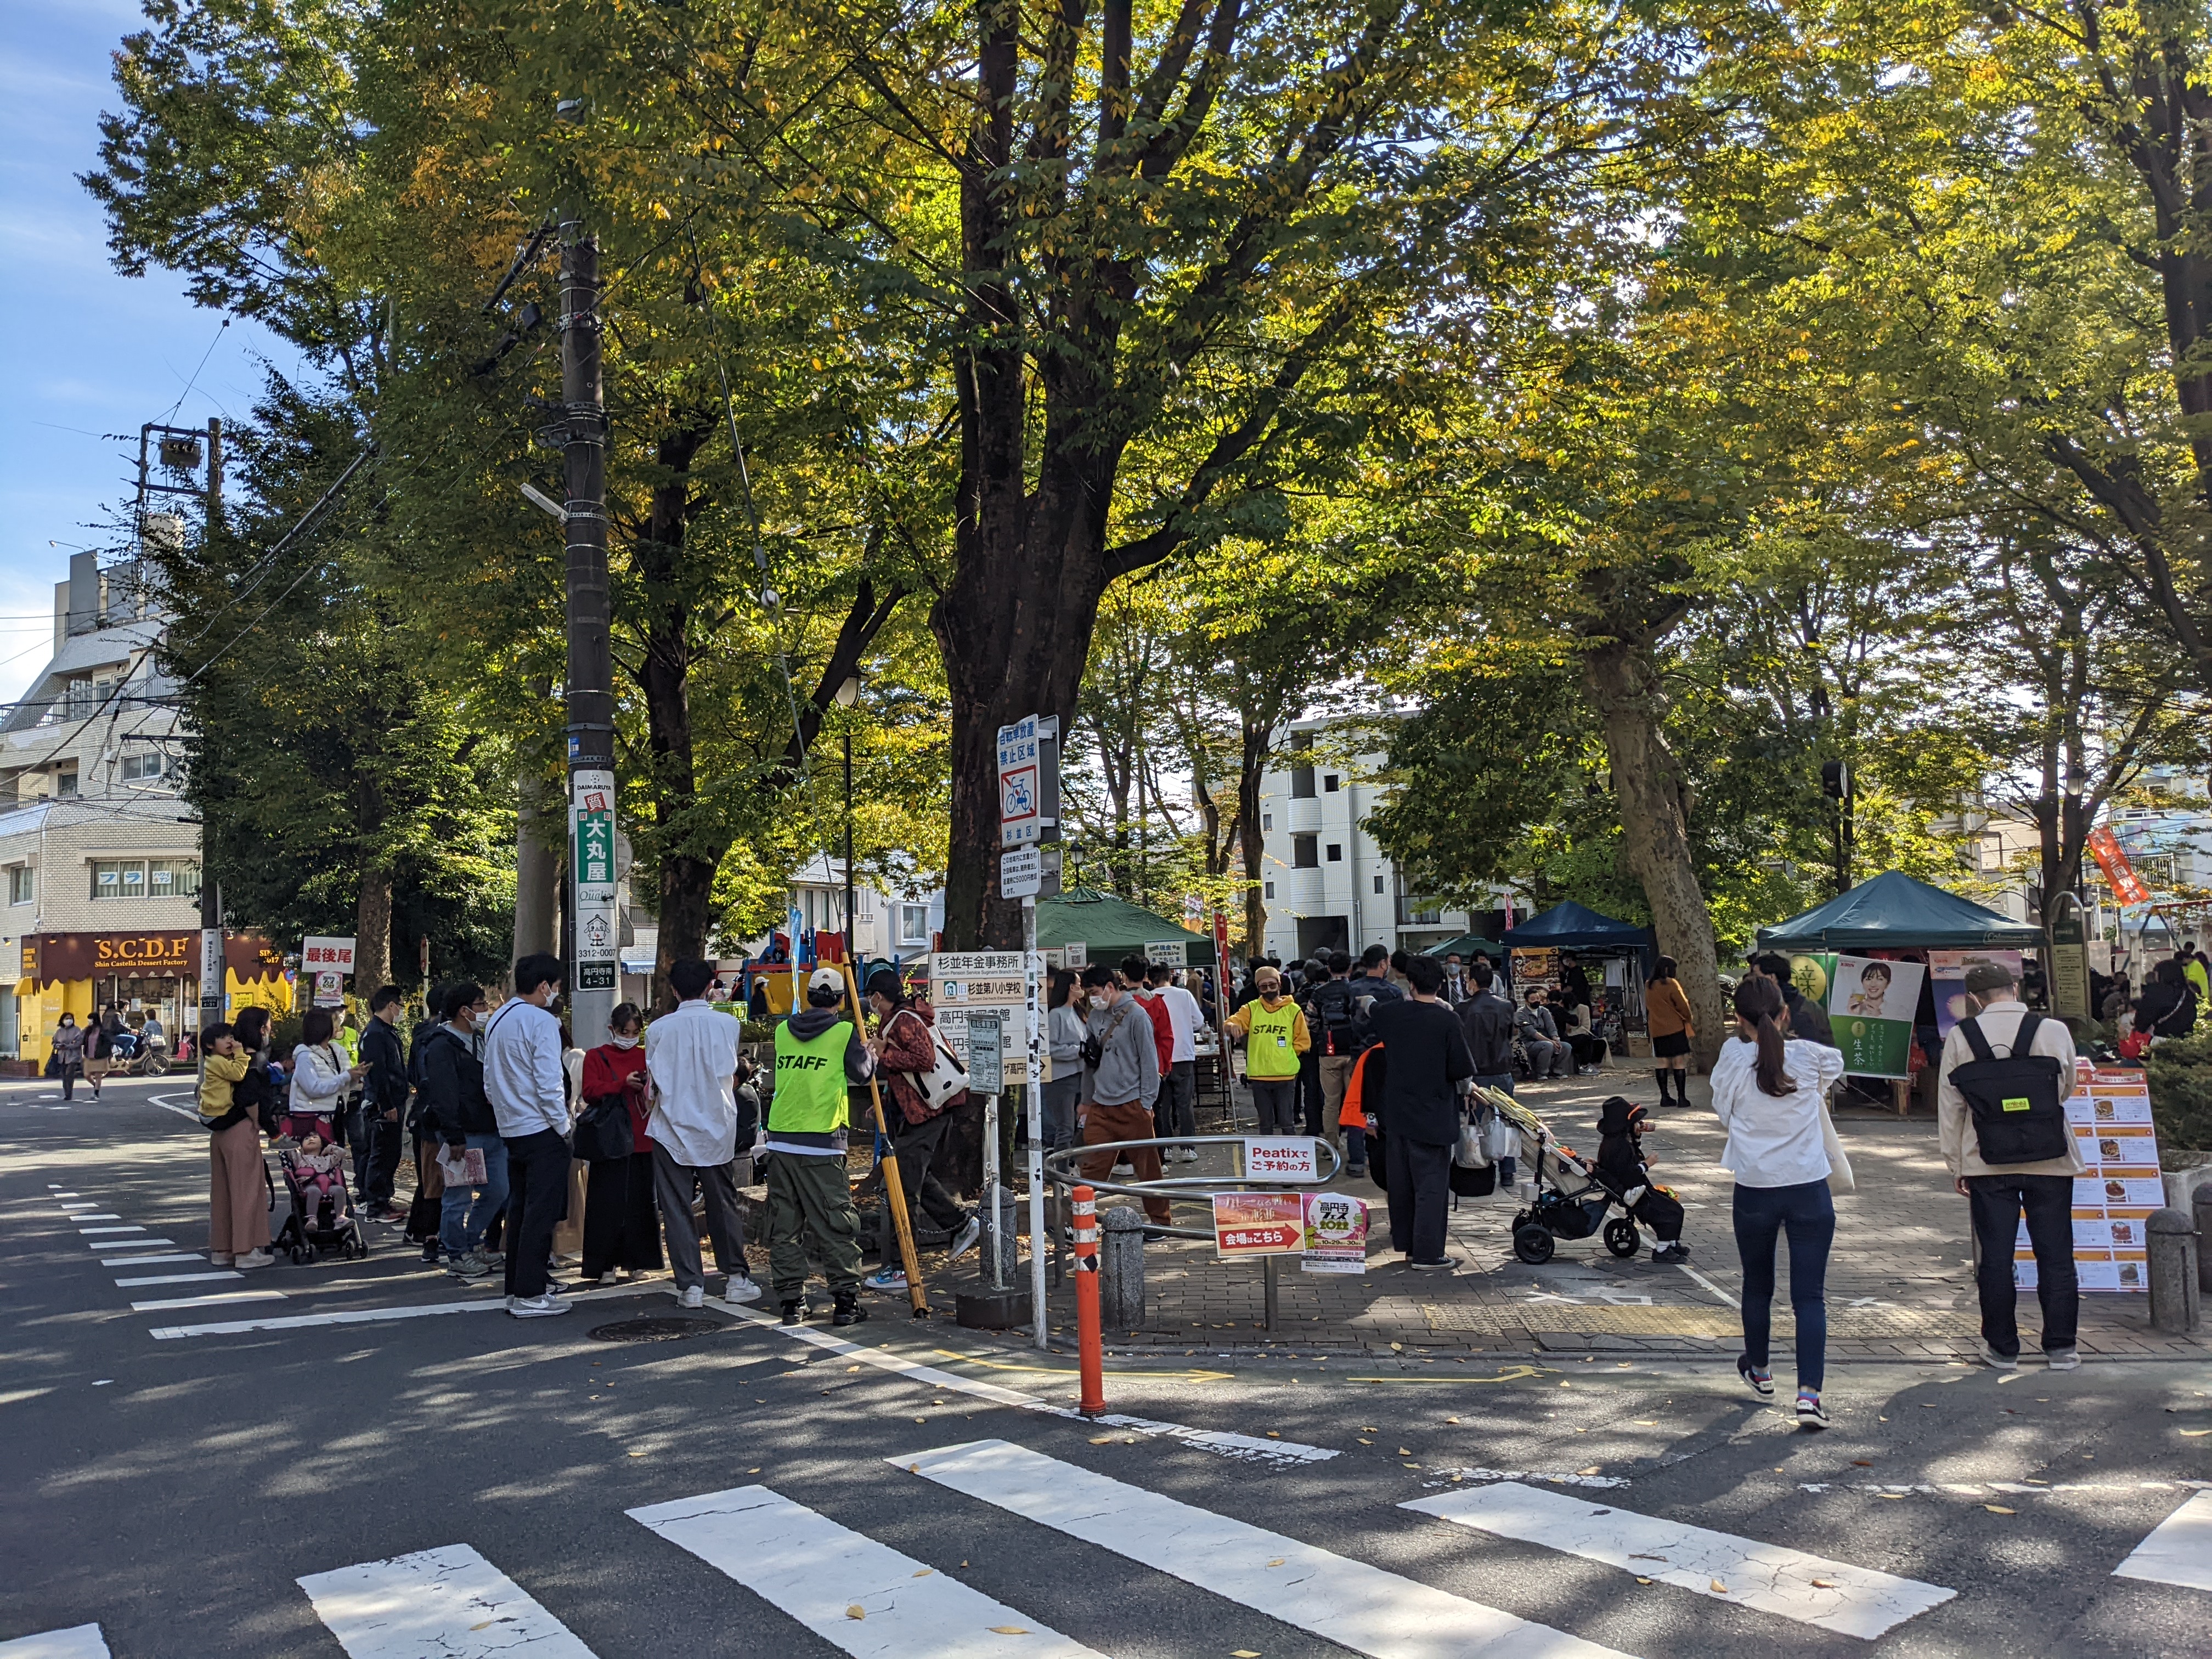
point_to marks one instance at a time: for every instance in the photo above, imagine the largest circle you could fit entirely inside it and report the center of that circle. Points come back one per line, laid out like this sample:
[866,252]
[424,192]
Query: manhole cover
[652,1330]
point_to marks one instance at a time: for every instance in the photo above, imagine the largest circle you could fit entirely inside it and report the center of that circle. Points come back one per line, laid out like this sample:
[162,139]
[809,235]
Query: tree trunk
[1623,682]
[372,927]
[538,835]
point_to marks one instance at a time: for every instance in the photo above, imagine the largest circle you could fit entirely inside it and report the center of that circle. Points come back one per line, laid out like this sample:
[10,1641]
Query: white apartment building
[1325,883]
[99,868]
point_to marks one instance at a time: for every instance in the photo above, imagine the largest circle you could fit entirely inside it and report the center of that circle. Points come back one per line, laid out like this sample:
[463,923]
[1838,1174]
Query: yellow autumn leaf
[1009,1630]
[923,1572]
[1996,1508]
[855,1612]
[1719,1589]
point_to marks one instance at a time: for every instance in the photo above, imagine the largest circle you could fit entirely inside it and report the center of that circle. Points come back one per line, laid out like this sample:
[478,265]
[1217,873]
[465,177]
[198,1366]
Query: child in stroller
[315,1175]
[1573,1196]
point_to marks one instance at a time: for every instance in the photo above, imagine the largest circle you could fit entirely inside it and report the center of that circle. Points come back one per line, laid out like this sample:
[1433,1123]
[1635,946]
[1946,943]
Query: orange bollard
[1091,1358]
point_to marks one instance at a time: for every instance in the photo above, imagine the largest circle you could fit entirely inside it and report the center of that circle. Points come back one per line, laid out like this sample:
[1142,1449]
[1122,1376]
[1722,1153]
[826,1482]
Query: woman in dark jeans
[1767,1092]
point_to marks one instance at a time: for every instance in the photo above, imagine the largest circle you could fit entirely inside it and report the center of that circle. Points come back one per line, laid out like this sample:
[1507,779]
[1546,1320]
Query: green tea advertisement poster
[1870,1007]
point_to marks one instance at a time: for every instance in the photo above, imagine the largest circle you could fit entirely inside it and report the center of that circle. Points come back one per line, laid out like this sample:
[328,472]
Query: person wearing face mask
[1123,1076]
[68,1056]
[621,1227]
[456,1115]
[528,1089]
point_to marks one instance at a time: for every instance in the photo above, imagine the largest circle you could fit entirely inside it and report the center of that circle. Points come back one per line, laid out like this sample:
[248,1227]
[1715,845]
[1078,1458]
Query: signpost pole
[1269,1261]
[1033,1098]
[991,1187]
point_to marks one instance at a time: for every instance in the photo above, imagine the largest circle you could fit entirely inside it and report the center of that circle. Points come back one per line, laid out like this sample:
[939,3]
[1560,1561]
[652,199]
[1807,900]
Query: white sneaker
[538,1307]
[253,1258]
[964,1240]
[219,1258]
[694,1296]
[740,1289]
[1122,1169]
[890,1278]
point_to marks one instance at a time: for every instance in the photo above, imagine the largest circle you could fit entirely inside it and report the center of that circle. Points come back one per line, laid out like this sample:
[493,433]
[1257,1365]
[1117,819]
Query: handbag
[945,1080]
[1840,1177]
[1469,1151]
[602,1131]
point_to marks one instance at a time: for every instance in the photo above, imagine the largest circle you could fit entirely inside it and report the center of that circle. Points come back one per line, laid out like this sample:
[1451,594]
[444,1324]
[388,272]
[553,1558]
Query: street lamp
[849,697]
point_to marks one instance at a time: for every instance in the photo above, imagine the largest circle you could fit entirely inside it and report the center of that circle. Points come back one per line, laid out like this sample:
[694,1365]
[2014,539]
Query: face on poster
[1950,969]
[1870,1008]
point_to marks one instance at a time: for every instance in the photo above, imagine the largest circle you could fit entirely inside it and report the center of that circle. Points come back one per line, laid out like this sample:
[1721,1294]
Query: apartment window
[913,924]
[1378,884]
[22,883]
[1305,852]
[65,782]
[173,879]
[1267,820]
[1335,853]
[1302,777]
[1267,890]
[119,878]
[143,766]
[1329,783]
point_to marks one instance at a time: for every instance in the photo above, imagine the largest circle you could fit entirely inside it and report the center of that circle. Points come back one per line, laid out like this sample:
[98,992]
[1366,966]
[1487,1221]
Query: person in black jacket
[1620,1160]
[1486,1019]
[384,1101]
[457,1113]
[1418,1110]
[1807,1019]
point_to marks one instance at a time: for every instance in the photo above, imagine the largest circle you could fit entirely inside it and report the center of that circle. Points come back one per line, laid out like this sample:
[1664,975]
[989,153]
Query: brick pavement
[1900,1280]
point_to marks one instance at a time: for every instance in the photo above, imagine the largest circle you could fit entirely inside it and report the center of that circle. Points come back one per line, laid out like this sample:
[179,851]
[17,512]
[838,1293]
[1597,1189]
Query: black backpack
[2019,1102]
[1336,1010]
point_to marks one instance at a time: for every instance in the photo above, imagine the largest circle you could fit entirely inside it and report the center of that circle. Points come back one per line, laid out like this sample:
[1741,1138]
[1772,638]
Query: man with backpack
[906,1052]
[2001,1117]
[1338,1032]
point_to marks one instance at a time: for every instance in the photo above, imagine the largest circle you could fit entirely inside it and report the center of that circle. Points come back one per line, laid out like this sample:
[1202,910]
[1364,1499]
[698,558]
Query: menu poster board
[1949,968]
[2109,1117]
[1335,1233]
[1870,1007]
[1533,968]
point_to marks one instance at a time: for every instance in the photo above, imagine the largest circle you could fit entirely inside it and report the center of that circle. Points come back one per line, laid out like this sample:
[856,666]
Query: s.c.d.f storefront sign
[168,954]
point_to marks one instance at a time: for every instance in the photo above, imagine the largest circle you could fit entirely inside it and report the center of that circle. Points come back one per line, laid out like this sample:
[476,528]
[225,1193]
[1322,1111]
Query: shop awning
[1895,911]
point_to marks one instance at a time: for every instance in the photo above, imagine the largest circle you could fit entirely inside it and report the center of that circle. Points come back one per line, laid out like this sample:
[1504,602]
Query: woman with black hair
[1767,1092]
[1667,1015]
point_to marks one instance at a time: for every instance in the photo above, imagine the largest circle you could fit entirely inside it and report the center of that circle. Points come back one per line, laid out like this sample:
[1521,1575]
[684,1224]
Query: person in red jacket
[1136,979]
[904,1044]
[622,1225]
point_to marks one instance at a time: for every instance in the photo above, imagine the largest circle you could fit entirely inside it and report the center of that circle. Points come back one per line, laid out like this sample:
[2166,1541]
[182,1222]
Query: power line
[268,561]
[194,382]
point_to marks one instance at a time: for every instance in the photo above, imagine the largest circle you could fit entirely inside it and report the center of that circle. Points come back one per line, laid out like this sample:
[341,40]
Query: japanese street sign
[1335,1234]
[994,983]
[1021,801]
[1169,951]
[987,1072]
[1259,1223]
[1029,872]
[1281,1157]
[592,856]
[320,954]
[330,990]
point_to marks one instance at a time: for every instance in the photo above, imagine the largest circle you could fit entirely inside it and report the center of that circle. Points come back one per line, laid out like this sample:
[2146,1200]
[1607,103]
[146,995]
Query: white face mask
[1101,999]
[622,1041]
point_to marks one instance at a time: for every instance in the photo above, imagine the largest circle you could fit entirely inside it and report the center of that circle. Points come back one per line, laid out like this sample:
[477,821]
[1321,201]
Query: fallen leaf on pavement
[1277,1561]
[1824,1583]
[1862,1462]
[1405,1451]
[923,1572]
[1274,1434]
[2193,1433]
[1102,1439]
[1719,1589]
[855,1612]
[1592,1469]
[1009,1630]
[1996,1508]
[1644,1581]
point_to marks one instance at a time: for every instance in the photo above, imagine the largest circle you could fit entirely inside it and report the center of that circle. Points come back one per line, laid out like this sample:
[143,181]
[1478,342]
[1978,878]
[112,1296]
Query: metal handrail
[1057,1174]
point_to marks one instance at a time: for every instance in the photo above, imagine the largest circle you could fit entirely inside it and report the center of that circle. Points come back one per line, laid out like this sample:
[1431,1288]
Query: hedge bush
[2181,1093]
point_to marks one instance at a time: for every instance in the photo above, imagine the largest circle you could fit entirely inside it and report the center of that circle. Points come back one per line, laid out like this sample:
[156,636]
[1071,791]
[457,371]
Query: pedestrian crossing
[868,1599]
[115,1243]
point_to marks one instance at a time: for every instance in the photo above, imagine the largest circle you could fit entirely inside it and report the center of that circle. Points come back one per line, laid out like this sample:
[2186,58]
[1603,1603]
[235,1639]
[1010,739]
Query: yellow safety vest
[809,1081]
[1269,1050]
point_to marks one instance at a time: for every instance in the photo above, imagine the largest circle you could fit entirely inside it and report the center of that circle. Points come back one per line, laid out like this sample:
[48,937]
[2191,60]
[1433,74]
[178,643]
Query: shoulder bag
[946,1079]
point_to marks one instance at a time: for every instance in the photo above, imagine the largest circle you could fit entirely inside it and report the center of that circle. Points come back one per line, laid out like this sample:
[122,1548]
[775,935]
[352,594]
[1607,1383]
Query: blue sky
[86,352]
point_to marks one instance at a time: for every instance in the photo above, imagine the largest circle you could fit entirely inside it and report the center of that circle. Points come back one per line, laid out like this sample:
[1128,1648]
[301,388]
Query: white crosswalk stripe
[2178,1550]
[206,1301]
[811,1569]
[78,1642]
[125,1243]
[450,1602]
[1832,1595]
[178,1279]
[1349,1602]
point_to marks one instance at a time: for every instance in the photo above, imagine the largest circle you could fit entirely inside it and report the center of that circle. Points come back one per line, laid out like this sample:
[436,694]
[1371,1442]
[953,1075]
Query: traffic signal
[1835,779]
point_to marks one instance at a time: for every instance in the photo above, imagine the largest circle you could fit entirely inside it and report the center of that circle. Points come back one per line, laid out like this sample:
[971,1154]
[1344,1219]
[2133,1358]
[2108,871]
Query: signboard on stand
[1029,872]
[2120,1187]
[987,1035]
[1335,1233]
[1281,1157]
[2070,959]
[322,954]
[1172,952]
[1870,1007]
[330,990]
[965,983]
[1259,1223]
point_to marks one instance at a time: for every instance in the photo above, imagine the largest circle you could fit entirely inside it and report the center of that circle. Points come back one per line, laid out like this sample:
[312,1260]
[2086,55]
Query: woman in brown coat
[1667,1010]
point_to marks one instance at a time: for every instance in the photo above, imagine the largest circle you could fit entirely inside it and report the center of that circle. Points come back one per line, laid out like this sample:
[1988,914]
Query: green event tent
[1110,928]
[1466,945]
[1893,911]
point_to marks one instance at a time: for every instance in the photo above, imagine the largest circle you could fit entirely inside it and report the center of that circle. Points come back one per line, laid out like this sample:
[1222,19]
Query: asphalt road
[174,1489]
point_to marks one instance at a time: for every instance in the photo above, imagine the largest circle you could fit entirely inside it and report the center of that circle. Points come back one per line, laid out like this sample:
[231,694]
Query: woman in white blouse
[1768,1091]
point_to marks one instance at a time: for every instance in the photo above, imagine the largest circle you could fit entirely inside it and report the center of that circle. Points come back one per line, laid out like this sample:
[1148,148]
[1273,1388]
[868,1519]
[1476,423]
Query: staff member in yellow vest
[1273,1031]
[818,1056]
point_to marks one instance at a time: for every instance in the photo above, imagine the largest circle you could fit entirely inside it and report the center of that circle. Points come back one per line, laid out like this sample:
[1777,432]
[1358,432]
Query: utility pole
[211,964]
[591,938]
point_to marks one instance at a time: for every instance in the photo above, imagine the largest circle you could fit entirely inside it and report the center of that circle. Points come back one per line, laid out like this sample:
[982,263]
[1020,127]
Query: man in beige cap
[2000,1191]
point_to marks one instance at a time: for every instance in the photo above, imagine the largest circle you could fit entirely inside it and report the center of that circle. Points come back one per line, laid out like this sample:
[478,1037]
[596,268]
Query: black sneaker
[1761,1381]
[1809,1415]
[848,1310]
[1671,1252]
[793,1312]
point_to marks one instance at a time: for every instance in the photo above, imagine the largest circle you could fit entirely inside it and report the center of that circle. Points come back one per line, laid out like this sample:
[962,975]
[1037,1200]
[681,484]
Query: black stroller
[1573,1197]
[319,1221]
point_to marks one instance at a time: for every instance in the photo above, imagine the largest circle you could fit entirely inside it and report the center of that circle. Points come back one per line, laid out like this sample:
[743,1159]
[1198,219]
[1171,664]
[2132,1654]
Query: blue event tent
[1572,926]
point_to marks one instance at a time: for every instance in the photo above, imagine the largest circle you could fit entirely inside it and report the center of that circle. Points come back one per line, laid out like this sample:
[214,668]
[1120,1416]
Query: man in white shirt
[692,1055]
[2001,1193]
[1176,1114]
[528,1089]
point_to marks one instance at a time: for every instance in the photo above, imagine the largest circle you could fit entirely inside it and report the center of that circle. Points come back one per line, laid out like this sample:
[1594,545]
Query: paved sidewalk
[1901,1280]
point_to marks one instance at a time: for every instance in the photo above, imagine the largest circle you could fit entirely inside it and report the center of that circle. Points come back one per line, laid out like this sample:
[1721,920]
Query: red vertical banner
[2112,859]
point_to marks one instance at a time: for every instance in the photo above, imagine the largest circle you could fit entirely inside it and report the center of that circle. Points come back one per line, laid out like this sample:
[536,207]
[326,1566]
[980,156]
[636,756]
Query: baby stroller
[319,1221]
[1572,1199]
